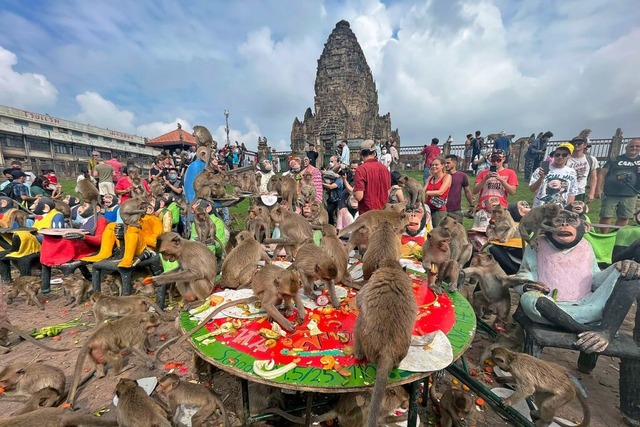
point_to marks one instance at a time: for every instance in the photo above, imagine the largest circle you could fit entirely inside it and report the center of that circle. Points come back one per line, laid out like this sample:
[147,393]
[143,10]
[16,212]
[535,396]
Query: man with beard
[583,299]
[415,233]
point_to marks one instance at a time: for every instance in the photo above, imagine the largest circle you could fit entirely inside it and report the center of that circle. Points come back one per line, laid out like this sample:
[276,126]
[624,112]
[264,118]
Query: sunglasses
[578,143]
[560,154]
[496,159]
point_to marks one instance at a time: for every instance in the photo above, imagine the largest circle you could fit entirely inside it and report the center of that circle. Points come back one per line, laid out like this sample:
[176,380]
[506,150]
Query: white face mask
[331,164]
[384,151]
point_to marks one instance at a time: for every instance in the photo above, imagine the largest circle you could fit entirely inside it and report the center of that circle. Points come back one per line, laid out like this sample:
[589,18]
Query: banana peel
[266,369]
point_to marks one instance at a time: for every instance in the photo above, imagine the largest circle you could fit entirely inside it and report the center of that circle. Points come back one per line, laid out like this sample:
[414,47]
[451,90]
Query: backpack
[8,191]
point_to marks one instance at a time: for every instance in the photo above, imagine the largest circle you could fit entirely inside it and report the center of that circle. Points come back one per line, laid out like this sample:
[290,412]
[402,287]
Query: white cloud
[249,137]
[154,129]
[95,110]
[23,90]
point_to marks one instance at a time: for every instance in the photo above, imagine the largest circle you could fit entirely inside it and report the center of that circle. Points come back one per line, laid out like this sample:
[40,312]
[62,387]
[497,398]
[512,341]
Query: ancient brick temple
[346,101]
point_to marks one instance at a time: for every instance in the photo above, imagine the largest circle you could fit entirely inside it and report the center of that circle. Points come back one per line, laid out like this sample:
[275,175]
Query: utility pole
[226,119]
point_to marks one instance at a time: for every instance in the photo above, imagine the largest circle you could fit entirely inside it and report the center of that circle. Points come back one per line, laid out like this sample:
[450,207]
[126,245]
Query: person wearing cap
[559,183]
[30,175]
[618,184]
[20,190]
[372,180]
[585,168]
[8,177]
[502,143]
[429,152]
[499,183]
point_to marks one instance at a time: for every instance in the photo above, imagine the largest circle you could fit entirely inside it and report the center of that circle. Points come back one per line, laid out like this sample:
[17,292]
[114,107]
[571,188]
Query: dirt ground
[601,385]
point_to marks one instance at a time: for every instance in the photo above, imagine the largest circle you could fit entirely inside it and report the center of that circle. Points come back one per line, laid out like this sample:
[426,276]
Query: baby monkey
[549,384]
[178,393]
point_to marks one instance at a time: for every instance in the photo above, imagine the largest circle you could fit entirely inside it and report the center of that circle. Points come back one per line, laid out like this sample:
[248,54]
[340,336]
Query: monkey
[537,221]
[265,399]
[396,207]
[358,239]
[370,219]
[90,194]
[336,250]
[76,290]
[115,306]
[204,182]
[353,408]
[63,208]
[55,417]
[313,263]
[248,182]
[437,262]
[414,190]
[138,191]
[461,249]
[547,382]
[258,220]
[271,286]
[456,408]
[157,188]
[27,379]
[294,230]
[501,226]
[4,341]
[44,398]
[274,184]
[179,393]
[204,139]
[239,267]
[136,409]
[384,243]
[494,286]
[131,210]
[288,190]
[307,188]
[319,215]
[28,285]
[388,294]
[205,227]
[195,276]
[512,338]
[109,339]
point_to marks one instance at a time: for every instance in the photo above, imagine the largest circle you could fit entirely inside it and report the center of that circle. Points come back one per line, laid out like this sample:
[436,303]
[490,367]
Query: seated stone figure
[580,298]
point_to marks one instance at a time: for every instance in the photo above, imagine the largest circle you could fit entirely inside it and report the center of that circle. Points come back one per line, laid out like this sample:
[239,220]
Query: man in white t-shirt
[385,158]
[555,183]
[585,167]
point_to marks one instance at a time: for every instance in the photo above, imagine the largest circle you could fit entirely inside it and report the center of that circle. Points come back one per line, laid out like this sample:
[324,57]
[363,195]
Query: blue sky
[441,67]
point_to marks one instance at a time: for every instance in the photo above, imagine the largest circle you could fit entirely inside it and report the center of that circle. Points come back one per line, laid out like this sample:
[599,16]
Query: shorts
[467,154]
[106,188]
[619,206]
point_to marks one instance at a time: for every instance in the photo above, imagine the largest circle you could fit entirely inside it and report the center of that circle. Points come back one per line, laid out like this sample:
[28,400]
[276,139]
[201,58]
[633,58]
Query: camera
[624,177]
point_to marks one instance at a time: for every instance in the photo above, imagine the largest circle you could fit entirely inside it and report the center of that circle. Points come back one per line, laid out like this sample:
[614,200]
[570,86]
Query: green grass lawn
[522,193]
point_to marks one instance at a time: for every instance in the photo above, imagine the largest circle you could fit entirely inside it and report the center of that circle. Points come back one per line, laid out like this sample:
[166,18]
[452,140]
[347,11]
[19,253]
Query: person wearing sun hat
[557,182]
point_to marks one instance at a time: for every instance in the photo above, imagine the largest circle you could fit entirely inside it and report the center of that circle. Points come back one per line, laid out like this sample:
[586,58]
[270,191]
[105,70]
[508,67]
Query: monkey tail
[76,374]
[94,206]
[90,420]
[223,411]
[384,367]
[350,229]
[206,320]
[586,417]
[28,337]
[156,307]
[287,416]
[329,415]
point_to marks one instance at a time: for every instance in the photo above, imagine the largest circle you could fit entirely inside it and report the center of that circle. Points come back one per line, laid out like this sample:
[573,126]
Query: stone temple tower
[346,101]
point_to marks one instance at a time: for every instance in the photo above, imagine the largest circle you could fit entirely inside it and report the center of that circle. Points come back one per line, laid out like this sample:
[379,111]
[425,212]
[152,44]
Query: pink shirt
[117,169]
[576,264]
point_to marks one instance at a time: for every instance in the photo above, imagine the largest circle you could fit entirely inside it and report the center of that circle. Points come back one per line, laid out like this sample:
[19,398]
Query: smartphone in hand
[545,166]
[493,168]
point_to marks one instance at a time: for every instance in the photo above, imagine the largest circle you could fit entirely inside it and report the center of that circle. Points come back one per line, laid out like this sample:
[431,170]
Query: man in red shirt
[429,153]
[125,184]
[372,180]
[117,167]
